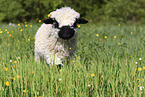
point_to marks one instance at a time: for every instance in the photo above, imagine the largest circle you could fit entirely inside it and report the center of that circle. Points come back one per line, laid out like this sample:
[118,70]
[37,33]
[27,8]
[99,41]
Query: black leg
[59,66]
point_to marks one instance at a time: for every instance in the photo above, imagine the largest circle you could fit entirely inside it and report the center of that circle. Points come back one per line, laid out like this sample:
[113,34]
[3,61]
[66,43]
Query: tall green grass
[105,63]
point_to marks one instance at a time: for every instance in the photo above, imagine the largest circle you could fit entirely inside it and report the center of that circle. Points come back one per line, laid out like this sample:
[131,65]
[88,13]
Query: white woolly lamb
[57,37]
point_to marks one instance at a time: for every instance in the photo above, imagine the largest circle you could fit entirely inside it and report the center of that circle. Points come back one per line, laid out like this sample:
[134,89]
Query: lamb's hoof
[59,66]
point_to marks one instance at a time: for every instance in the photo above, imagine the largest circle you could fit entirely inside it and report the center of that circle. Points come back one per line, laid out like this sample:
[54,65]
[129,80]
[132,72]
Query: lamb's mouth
[66,33]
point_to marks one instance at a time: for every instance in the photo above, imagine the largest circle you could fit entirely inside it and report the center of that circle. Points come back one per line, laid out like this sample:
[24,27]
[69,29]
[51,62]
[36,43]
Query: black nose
[66,32]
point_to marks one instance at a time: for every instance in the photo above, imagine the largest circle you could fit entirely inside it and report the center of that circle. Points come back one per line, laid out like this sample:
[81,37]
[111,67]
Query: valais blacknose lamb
[57,37]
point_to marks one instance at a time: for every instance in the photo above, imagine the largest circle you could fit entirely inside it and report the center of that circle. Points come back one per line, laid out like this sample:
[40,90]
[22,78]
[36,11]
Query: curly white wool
[47,43]
[65,16]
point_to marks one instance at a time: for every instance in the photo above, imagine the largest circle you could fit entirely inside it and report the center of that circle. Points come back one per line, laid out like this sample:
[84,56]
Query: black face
[66,32]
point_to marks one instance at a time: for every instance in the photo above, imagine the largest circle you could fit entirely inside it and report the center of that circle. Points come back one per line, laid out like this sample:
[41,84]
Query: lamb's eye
[55,23]
[75,24]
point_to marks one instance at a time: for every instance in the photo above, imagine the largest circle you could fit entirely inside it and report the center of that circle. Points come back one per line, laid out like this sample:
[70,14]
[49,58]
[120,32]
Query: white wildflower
[141,88]
[136,62]
[59,79]
[89,85]
[10,24]
[13,24]
[11,61]
[140,59]
[18,57]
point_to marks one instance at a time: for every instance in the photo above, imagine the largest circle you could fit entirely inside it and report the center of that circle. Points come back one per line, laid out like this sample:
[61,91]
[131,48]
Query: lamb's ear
[48,21]
[82,21]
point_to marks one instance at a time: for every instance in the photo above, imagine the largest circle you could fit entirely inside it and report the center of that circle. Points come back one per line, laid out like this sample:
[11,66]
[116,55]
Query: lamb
[57,37]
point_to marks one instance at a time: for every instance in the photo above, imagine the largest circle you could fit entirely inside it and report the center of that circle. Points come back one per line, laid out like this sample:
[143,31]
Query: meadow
[109,61]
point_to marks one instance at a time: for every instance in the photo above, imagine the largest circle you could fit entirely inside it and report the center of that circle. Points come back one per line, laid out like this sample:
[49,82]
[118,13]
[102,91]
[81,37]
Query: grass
[105,63]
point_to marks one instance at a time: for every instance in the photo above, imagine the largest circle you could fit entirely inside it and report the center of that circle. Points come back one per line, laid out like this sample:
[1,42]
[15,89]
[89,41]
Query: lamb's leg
[48,60]
[37,58]
[58,59]
[51,59]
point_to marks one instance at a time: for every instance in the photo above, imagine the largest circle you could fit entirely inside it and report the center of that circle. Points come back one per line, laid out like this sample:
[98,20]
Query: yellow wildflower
[39,21]
[10,35]
[139,69]
[8,32]
[10,77]
[25,25]
[7,83]
[118,43]
[28,39]
[69,48]
[21,29]
[114,36]
[97,35]
[92,75]
[143,67]
[105,37]
[25,22]
[30,25]
[18,24]
[5,68]
[48,15]
[131,33]
[24,91]
[118,24]
[79,26]
[1,31]
[18,76]
[15,62]
[61,70]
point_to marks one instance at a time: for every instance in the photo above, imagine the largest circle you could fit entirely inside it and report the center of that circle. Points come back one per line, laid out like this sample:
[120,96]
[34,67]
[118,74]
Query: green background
[98,11]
